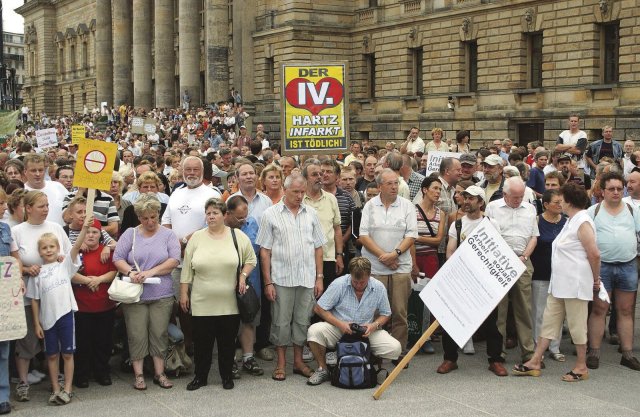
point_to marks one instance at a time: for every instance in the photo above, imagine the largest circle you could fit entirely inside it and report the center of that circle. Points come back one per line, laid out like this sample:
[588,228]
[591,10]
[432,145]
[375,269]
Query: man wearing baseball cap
[469,164]
[472,206]
[493,178]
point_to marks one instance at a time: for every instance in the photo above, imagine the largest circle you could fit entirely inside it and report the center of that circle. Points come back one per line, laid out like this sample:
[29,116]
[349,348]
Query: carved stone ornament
[467,30]
[31,36]
[466,25]
[365,42]
[529,20]
[604,7]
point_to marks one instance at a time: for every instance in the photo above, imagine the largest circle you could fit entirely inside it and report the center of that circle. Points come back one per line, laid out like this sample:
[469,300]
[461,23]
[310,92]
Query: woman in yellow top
[210,266]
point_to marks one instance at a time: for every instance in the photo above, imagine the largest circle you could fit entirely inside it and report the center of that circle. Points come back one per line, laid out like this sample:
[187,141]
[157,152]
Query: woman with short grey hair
[144,252]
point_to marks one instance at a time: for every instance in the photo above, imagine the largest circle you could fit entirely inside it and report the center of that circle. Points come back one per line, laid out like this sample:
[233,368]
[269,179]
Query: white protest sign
[46,138]
[434,158]
[137,125]
[13,323]
[472,282]
[149,126]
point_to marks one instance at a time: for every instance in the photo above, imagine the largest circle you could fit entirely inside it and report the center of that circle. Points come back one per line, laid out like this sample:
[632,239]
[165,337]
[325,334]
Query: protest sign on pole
[137,125]
[95,165]
[13,323]
[78,133]
[315,110]
[149,126]
[434,158]
[466,289]
[46,138]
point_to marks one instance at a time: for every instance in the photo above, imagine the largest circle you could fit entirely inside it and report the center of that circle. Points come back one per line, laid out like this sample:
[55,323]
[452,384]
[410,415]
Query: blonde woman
[271,179]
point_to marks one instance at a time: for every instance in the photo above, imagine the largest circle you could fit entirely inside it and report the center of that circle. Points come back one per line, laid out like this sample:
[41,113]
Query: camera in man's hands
[358,330]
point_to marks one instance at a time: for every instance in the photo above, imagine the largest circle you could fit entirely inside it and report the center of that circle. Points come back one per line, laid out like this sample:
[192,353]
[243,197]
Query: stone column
[165,62]
[121,52]
[217,51]
[142,84]
[189,49]
[104,51]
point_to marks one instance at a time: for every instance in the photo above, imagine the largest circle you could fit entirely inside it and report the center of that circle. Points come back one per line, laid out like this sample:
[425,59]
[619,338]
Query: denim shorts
[621,276]
[61,337]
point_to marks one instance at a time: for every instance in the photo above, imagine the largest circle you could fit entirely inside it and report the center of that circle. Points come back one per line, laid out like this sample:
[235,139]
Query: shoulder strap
[235,244]
[630,209]
[426,220]
[458,231]
[595,213]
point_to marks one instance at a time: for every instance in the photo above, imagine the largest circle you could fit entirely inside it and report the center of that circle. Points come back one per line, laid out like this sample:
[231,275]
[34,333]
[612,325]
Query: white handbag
[126,292]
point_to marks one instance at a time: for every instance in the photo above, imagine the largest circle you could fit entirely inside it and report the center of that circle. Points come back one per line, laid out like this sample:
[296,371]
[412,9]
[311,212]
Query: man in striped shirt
[291,240]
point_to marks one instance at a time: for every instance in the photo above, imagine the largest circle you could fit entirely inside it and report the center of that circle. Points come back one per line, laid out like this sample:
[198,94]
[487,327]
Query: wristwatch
[184,240]
[340,254]
[398,251]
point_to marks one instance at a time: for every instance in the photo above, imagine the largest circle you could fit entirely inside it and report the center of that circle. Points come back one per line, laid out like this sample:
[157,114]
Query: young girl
[53,305]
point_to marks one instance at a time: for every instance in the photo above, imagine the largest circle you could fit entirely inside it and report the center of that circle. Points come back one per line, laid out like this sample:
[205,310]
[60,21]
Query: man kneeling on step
[352,298]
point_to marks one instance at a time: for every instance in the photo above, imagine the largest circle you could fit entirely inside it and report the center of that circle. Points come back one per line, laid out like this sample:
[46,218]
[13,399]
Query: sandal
[573,377]
[279,374]
[305,372]
[523,370]
[139,383]
[162,381]
[559,357]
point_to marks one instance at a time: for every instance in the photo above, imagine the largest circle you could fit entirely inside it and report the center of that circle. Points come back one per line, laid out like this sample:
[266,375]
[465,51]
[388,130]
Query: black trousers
[329,272]
[206,331]
[494,340]
[94,343]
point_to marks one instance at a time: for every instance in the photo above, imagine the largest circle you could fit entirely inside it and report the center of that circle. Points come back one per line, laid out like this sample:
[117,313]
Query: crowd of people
[203,209]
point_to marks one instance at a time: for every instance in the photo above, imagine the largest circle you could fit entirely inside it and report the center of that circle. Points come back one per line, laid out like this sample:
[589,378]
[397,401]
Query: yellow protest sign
[94,165]
[315,112]
[77,133]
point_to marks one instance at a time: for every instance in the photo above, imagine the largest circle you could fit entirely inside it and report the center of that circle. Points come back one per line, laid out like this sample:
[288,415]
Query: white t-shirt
[55,194]
[52,286]
[26,235]
[185,210]
[467,227]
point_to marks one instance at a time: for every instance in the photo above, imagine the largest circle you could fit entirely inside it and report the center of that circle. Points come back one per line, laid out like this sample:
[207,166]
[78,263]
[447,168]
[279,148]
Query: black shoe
[227,383]
[5,408]
[196,383]
[104,380]
[81,383]
[631,363]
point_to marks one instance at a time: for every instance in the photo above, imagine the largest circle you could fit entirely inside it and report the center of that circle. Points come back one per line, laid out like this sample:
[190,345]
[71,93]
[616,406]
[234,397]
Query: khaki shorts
[29,346]
[576,312]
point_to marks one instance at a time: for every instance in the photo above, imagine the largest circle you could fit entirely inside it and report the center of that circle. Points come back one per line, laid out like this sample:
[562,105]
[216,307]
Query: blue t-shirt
[616,235]
[536,180]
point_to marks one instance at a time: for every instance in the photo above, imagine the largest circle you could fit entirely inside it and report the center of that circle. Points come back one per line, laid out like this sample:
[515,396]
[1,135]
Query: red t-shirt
[89,301]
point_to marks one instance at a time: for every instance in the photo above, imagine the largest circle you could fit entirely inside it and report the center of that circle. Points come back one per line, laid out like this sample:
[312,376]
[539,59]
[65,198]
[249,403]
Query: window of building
[416,71]
[530,131]
[370,71]
[72,58]
[61,60]
[471,66]
[202,13]
[85,55]
[609,53]
[534,64]
[270,75]
[72,103]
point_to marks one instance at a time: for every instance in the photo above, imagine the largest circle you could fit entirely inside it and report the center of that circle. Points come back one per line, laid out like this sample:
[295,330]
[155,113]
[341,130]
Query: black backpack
[354,369]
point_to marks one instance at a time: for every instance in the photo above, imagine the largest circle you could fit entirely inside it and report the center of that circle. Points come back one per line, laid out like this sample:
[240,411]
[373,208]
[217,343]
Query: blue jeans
[4,371]
[621,276]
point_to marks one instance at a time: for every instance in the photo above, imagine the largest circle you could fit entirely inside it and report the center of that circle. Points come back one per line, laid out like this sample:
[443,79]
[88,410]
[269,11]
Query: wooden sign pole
[394,374]
[91,196]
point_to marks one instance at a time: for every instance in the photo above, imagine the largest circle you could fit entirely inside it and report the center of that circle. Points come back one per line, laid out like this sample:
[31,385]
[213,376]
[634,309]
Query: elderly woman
[96,312]
[147,183]
[115,191]
[550,223]
[148,251]
[575,276]
[213,302]
[271,180]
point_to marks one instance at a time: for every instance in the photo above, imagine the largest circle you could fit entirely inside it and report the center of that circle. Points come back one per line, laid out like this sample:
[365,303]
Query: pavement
[472,390]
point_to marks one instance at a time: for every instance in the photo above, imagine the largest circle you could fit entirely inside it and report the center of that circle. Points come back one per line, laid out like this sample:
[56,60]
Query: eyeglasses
[614,189]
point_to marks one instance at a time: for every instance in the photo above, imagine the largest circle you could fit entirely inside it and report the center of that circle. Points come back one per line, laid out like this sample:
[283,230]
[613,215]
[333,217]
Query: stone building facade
[509,68]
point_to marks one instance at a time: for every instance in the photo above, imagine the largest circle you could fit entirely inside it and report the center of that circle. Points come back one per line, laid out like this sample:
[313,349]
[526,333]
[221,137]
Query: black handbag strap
[235,244]
[426,220]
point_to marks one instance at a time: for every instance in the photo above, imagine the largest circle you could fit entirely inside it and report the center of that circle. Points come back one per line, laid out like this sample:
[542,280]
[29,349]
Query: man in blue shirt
[352,298]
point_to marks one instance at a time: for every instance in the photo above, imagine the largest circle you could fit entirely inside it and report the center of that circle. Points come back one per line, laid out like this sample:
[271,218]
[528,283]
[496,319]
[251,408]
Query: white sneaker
[38,374]
[331,358]
[468,348]
[307,356]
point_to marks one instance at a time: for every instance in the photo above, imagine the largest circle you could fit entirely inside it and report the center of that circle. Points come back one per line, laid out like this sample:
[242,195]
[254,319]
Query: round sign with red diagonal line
[95,161]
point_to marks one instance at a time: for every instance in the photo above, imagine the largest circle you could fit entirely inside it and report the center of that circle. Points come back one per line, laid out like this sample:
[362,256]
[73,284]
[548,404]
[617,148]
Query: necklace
[554,221]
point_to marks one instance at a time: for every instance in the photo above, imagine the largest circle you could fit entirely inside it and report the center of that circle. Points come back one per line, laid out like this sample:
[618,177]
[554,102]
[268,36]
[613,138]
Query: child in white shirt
[53,305]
